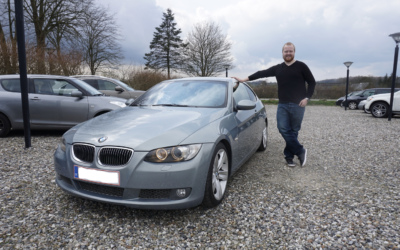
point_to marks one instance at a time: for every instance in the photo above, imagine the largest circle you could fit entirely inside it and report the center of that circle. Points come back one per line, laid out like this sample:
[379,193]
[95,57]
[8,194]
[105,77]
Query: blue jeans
[289,117]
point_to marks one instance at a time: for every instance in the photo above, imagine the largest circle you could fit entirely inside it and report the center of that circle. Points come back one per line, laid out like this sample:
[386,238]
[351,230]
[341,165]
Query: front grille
[113,156]
[100,189]
[84,152]
[154,193]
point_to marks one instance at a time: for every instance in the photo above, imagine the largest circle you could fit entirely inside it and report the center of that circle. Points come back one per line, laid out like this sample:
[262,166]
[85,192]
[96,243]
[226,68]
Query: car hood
[144,128]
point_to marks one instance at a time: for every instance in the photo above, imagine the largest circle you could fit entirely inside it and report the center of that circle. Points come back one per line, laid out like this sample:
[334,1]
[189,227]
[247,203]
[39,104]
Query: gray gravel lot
[347,196]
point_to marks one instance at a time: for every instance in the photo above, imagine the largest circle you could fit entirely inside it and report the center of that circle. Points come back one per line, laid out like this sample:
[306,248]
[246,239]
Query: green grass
[311,103]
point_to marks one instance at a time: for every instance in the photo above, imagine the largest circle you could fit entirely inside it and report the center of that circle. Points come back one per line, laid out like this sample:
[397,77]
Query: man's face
[288,53]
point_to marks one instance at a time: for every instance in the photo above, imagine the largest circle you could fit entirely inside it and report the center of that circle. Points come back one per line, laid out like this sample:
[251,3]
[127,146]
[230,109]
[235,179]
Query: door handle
[35,98]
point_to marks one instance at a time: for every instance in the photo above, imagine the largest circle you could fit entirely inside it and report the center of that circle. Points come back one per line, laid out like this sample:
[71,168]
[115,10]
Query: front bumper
[143,185]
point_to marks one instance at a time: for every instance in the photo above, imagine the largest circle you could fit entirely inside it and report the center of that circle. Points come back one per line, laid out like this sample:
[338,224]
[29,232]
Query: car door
[245,120]
[52,105]
[108,88]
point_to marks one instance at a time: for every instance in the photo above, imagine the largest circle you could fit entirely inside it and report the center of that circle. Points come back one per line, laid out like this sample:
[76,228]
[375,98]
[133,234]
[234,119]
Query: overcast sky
[326,33]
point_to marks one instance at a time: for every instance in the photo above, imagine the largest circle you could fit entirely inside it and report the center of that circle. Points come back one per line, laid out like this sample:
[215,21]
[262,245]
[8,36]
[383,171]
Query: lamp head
[226,65]
[348,64]
[396,37]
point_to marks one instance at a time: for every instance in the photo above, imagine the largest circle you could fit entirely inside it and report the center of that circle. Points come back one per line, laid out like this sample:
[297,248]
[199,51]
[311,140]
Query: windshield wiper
[171,105]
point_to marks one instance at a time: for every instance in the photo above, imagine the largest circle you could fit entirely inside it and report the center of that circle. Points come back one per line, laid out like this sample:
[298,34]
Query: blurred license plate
[96,175]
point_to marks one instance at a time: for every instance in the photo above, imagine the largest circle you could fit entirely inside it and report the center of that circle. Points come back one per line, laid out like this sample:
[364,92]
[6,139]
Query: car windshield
[126,86]
[187,93]
[87,87]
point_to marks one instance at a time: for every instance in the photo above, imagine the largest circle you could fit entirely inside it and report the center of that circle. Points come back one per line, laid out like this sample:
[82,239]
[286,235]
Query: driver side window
[240,93]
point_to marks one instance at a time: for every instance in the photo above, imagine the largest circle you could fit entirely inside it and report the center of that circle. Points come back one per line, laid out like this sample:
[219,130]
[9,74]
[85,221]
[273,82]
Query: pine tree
[164,49]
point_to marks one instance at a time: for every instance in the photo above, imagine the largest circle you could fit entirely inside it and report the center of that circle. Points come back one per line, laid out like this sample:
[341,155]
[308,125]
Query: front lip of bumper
[139,175]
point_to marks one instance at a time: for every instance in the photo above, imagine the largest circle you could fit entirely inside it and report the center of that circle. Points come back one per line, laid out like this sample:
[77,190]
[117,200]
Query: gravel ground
[347,197]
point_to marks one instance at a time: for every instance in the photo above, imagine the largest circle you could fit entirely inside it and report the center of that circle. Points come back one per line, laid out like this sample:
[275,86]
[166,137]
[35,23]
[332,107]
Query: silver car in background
[110,86]
[175,147]
[55,102]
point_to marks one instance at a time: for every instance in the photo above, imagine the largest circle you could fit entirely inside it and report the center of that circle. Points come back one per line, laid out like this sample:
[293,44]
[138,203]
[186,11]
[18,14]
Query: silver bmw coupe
[174,147]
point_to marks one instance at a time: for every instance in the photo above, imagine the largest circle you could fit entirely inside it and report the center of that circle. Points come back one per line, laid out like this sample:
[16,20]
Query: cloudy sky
[326,32]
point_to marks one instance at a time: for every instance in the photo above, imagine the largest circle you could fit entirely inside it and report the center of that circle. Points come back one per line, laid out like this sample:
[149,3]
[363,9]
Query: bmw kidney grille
[113,156]
[83,152]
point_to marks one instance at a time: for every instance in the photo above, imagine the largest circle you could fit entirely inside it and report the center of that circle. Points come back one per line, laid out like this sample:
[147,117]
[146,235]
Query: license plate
[96,175]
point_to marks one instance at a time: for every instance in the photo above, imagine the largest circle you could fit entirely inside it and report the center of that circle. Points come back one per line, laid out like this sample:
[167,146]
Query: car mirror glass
[245,105]
[76,93]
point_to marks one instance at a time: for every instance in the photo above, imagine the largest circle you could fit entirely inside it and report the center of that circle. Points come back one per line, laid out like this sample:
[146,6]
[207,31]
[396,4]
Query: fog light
[181,192]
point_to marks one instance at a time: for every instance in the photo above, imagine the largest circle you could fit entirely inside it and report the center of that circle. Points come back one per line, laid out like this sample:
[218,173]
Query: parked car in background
[354,100]
[361,106]
[378,105]
[175,147]
[55,102]
[110,86]
[340,100]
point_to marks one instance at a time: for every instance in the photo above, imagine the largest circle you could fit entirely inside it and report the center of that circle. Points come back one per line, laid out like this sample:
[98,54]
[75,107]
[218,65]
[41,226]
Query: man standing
[293,97]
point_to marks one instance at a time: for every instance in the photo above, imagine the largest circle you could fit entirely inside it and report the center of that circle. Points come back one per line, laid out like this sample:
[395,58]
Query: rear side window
[12,85]
[106,85]
[92,82]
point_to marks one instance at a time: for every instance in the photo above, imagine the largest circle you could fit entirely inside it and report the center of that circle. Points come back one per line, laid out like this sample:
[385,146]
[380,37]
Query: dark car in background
[110,86]
[340,100]
[354,100]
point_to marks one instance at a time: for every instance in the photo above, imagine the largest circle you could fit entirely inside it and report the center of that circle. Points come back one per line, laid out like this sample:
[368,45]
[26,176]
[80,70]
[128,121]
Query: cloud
[326,33]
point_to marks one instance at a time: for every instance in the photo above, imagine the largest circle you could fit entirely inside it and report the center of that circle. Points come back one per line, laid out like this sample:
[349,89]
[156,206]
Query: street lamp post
[348,64]
[226,66]
[396,38]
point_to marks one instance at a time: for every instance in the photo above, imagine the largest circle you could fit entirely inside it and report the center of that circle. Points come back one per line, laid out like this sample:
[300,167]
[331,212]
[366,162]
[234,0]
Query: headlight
[121,104]
[173,154]
[370,98]
[63,144]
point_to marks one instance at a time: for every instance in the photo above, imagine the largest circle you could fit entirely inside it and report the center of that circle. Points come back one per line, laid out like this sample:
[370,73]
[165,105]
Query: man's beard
[288,58]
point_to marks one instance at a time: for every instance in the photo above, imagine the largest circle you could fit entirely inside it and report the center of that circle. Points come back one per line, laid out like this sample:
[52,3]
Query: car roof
[33,76]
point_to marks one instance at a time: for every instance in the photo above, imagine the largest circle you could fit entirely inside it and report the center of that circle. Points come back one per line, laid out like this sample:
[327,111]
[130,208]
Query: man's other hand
[303,102]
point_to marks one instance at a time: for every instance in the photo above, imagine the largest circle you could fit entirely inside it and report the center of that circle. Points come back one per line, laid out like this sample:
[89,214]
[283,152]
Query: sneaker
[290,163]
[303,158]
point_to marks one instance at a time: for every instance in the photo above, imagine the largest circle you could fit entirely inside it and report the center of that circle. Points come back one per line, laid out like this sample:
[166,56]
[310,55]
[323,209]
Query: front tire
[264,141]
[379,110]
[5,126]
[217,178]
[352,105]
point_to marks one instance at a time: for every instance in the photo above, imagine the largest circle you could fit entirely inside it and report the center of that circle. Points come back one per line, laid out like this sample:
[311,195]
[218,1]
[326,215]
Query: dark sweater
[291,81]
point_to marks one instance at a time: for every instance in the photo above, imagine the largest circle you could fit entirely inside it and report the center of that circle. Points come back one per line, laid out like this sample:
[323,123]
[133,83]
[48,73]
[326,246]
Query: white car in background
[378,105]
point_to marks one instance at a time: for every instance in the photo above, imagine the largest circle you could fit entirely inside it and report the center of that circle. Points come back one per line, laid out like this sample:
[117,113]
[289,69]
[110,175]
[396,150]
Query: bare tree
[207,52]
[8,38]
[47,15]
[99,38]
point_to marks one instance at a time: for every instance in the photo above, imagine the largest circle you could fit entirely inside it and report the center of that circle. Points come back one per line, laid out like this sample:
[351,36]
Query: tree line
[62,37]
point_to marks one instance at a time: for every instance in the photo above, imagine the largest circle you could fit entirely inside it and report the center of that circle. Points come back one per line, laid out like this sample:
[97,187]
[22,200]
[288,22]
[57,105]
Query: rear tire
[379,110]
[217,178]
[352,105]
[5,126]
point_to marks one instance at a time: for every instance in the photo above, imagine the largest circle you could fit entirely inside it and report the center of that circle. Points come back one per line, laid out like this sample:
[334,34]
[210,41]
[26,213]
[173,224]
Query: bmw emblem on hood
[103,139]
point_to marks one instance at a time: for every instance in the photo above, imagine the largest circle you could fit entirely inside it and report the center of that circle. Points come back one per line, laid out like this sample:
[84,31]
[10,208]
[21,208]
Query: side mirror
[76,93]
[129,101]
[119,89]
[245,105]
[361,95]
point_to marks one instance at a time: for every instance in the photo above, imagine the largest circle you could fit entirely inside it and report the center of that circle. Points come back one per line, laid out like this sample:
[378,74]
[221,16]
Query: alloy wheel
[220,174]
[352,105]
[379,110]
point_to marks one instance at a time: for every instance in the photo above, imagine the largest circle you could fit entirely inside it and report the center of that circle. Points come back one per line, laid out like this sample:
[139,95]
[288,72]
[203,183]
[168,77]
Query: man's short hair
[289,44]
